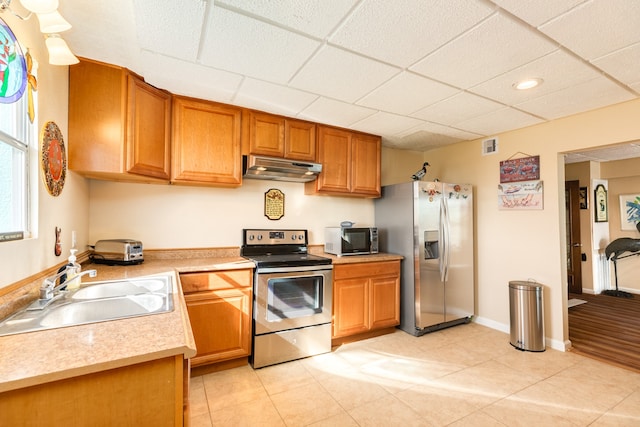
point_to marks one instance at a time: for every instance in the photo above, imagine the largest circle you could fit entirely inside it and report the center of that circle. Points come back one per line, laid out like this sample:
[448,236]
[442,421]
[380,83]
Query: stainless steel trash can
[526,315]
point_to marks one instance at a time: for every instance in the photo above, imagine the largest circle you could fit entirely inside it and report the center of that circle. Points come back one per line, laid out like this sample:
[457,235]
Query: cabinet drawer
[219,280]
[366,269]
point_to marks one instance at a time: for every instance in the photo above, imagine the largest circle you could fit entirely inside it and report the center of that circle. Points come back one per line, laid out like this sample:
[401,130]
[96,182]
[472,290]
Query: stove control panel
[275,237]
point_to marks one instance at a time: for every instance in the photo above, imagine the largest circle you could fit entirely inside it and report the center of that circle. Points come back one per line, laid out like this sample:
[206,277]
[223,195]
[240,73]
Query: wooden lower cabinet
[143,394]
[366,297]
[219,307]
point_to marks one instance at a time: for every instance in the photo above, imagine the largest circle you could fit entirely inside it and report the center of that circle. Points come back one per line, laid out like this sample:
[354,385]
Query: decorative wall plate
[54,158]
[13,68]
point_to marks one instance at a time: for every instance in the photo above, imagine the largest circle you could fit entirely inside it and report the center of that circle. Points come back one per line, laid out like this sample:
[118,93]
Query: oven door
[286,299]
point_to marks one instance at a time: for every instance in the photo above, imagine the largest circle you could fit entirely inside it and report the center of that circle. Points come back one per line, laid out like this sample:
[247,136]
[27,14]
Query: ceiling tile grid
[406,93]
[403,31]
[337,113]
[492,48]
[246,46]
[597,27]
[337,74]
[170,27]
[188,79]
[314,17]
[419,73]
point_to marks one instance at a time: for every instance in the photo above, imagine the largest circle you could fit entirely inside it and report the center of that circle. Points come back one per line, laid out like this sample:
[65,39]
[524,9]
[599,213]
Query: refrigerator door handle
[444,225]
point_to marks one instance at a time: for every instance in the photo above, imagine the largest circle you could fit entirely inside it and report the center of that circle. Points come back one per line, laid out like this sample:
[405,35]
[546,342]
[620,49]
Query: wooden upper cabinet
[119,126]
[206,143]
[350,164]
[276,136]
[300,140]
[365,164]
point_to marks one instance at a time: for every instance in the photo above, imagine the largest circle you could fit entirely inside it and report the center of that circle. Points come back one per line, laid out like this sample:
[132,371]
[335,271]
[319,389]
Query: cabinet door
[148,130]
[97,103]
[334,153]
[266,134]
[350,307]
[221,324]
[365,165]
[300,140]
[206,143]
[385,302]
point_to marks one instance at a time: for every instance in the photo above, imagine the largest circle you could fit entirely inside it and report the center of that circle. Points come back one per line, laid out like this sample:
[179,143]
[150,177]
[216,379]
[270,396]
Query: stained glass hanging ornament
[13,68]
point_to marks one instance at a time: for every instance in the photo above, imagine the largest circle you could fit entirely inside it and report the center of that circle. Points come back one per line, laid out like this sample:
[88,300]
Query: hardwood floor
[607,328]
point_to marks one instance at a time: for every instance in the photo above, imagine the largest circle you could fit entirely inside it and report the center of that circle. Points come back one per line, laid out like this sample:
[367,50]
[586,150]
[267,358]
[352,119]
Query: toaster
[117,251]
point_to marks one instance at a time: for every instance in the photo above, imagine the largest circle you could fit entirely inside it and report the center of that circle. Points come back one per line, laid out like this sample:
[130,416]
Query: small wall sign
[274,204]
[600,201]
[522,169]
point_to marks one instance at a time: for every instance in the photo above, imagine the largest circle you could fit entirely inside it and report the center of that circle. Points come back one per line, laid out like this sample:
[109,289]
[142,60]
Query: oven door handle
[314,268]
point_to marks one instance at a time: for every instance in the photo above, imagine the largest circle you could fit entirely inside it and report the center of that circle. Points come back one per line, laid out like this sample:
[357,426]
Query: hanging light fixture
[59,52]
[51,23]
[40,6]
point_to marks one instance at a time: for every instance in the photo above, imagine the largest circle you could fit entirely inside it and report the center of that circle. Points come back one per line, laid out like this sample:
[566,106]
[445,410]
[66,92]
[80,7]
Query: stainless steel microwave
[351,240]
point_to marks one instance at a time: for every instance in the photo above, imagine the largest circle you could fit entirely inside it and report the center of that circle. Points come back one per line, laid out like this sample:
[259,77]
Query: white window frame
[18,133]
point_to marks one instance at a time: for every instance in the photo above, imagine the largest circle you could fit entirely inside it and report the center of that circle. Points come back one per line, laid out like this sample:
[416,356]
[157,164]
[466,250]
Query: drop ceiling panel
[623,64]
[317,17]
[605,154]
[386,124]
[169,27]
[408,30]
[337,74]
[498,121]
[247,46]
[188,79]
[541,12]
[340,62]
[597,27]
[337,113]
[492,48]
[105,31]
[558,69]
[458,108]
[272,98]
[590,95]
[406,93]
[422,140]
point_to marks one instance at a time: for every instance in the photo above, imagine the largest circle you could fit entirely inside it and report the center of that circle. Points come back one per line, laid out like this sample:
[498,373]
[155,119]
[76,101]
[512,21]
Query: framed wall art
[274,204]
[583,197]
[521,169]
[629,211]
[600,204]
[525,195]
[53,158]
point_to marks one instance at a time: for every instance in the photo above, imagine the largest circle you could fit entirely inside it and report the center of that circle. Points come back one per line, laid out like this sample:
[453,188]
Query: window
[16,132]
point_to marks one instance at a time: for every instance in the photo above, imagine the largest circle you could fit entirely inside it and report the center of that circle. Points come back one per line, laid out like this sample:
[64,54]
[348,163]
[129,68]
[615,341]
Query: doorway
[574,244]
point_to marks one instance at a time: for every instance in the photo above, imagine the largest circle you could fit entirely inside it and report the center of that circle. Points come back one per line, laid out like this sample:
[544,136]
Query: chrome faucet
[49,292]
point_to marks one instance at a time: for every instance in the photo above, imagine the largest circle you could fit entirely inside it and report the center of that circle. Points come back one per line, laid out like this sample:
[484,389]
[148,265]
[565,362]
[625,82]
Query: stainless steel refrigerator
[431,225]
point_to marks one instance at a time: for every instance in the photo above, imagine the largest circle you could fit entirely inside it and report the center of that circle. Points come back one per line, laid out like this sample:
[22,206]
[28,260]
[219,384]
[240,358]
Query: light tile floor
[468,375]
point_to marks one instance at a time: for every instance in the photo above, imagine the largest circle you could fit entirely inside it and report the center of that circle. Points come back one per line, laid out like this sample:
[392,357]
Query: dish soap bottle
[73,268]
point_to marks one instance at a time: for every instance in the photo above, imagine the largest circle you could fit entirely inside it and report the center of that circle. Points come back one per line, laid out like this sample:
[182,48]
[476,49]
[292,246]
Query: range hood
[276,169]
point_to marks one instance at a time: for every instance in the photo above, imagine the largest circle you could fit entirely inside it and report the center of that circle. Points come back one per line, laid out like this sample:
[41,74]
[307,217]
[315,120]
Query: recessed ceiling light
[527,83]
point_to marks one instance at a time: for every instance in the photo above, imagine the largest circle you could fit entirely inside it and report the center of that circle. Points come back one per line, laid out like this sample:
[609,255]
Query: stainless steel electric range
[292,296]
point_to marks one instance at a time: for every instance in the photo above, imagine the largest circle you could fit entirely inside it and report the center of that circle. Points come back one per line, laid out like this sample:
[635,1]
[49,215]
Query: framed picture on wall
[629,211]
[584,198]
[601,206]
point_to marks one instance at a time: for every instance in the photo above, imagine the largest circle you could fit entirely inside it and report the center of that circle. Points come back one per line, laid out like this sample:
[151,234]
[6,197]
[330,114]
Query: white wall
[164,216]
[69,211]
[522,245]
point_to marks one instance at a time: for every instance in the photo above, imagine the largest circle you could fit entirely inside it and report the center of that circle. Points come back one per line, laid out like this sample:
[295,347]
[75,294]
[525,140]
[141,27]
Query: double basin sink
[97,302]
